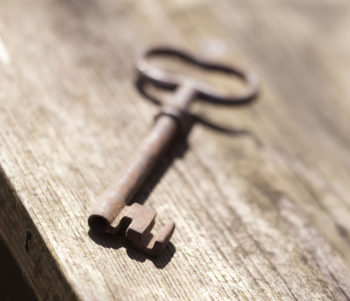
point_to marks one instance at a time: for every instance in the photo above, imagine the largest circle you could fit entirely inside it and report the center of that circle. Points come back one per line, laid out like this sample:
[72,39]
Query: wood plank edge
[28,247]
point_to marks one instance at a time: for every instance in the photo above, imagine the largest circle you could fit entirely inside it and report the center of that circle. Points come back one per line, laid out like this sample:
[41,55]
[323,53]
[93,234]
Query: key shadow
[117,241]
[180,145]
[176,150]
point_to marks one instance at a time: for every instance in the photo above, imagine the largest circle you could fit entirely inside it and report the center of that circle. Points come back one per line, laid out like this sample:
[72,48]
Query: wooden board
[278,183]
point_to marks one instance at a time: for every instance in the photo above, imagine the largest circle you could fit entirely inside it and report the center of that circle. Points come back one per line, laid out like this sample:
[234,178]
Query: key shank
[121,192]
[113,214]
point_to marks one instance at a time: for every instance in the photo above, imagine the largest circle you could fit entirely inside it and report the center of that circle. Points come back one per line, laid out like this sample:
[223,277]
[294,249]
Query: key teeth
[136,223]
[153,245]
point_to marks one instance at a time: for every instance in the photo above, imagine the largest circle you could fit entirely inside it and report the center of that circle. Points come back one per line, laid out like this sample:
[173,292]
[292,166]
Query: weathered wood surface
[278,223]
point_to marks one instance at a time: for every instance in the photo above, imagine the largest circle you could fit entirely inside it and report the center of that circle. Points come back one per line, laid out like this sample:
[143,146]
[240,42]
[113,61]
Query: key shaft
[113,213]
[121,192]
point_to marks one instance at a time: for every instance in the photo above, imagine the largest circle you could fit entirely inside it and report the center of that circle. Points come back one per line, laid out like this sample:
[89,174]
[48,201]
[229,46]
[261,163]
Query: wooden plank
[279,224]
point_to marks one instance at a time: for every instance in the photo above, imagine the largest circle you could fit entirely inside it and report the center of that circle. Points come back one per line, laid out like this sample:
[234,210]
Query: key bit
[135,222]
[139,230]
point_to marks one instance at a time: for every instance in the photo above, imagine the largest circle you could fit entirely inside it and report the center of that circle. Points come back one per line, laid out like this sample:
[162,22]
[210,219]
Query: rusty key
[113,213]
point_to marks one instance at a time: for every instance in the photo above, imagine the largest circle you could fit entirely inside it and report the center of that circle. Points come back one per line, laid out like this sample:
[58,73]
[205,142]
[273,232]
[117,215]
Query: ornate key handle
[199,89]
[113,214]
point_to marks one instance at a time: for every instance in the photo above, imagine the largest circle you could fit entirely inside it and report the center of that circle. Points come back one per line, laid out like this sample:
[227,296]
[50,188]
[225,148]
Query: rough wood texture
[279,223]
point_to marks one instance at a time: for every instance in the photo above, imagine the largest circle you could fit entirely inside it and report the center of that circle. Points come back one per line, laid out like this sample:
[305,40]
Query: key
[114,212]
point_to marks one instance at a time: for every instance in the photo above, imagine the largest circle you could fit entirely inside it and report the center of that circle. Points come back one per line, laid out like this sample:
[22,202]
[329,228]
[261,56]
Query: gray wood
[70,117]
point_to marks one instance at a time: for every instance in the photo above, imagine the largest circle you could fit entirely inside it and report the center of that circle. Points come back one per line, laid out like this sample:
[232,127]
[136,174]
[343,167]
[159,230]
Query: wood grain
[278,223]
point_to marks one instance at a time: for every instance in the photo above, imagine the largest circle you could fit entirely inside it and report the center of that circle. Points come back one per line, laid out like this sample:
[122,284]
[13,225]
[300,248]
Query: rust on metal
[114,212]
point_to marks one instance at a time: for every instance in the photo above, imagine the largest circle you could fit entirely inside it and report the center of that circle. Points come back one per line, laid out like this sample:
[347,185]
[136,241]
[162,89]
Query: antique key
[113,214]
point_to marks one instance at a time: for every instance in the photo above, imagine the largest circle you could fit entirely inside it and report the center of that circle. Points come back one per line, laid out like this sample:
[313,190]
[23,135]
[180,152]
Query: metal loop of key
[113,213]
